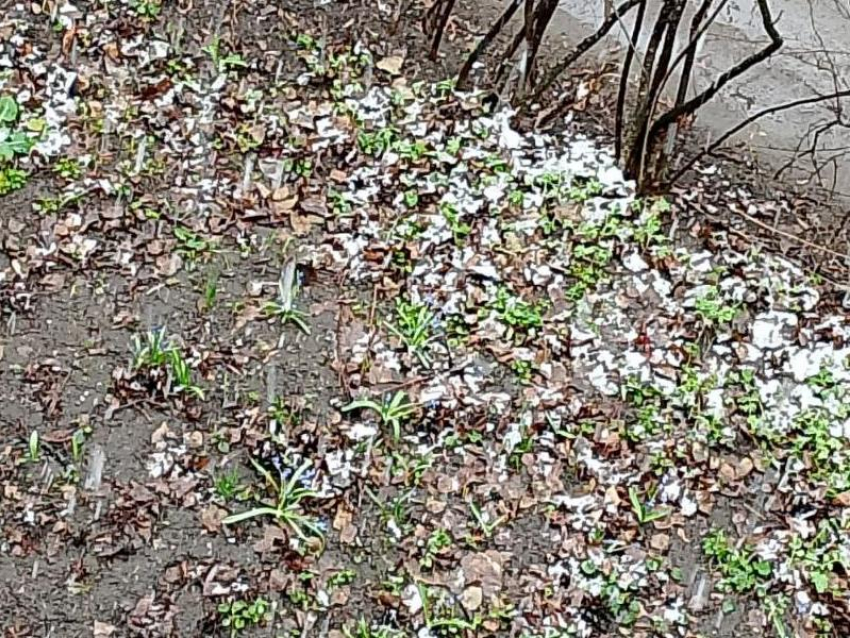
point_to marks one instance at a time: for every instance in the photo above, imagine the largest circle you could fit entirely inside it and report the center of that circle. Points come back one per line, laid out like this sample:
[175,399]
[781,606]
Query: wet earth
[298,341]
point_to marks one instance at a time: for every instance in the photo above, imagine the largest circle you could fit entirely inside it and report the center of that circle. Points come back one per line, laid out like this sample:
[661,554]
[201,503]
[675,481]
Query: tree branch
[753,118]
[442,21]
[580,50]
[742,67]
[497,27]
[624,81]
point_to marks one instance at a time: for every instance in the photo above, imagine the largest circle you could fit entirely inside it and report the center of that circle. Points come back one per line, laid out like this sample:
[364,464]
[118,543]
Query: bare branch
[753,118]
[742,67]
[497,27]
[442,10]
[624,80]
[580,50]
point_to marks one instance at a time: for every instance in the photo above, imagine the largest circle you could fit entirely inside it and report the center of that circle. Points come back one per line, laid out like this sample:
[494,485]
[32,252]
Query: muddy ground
[270,367]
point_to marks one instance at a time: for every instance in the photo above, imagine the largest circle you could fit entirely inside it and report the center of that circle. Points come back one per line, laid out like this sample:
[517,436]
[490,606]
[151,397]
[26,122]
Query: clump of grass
[151,350]
[288,509]
[412,325]
[741,569]
[154,352]
[391,411]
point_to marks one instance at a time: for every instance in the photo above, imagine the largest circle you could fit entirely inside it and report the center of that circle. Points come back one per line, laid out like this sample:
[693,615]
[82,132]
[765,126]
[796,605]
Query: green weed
[412,325]
[68,168]
[12,179]
[741,569]
[227,485]
[460,230]
[391,411]
[288,509]
[284,306]
[643,513]
[516,313]
[239,614]
[713,310]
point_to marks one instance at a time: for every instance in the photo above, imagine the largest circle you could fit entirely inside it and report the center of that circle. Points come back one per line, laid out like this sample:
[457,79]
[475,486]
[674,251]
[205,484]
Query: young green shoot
[239,614]
[482,519]
[288,510]
[643,513]
[34,446]
[181,375]
[390,411]
[284,306]
[413,327]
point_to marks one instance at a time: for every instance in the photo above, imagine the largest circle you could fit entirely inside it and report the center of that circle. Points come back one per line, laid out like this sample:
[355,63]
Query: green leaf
[8,109]
[821,581]
[244,516]
[17,144]
[36,125]
[762,568]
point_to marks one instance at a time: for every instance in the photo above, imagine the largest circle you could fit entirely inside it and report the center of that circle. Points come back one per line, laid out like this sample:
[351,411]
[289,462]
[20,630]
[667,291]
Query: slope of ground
[296,345]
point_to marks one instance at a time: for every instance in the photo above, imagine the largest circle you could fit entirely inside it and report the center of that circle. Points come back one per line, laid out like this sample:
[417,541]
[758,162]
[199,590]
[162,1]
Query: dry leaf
[391,64]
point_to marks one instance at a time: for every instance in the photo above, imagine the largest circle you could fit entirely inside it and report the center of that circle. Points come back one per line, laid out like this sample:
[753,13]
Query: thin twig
[497,27]
[746,122]
[580,50]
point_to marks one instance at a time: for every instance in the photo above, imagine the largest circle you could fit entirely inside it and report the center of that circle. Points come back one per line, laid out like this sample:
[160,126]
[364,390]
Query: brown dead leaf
[843,499]
[484,569]
[273,536]
[168,265]
[660,542]
[301,224]
[472,598]
[53,282]
[391,64]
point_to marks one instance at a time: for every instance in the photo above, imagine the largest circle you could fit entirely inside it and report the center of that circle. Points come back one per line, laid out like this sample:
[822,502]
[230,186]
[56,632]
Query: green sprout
[711,308]
[223,63]
[181,374]
[284,306]
[239,614]
[152,351]
[227,485]
[391,412]
[68,168]
[460,230]
[12,179]
[289,503]
[643,513]
[742,571]
[413,327]
[34,446]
